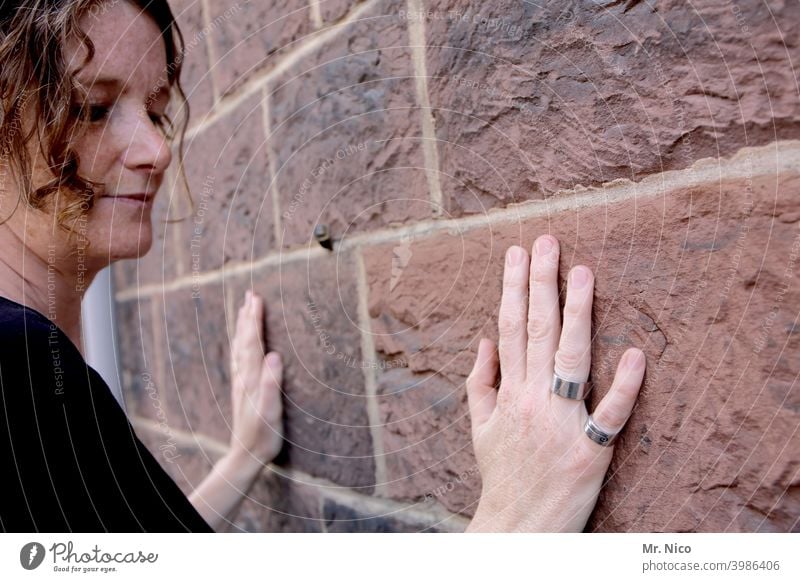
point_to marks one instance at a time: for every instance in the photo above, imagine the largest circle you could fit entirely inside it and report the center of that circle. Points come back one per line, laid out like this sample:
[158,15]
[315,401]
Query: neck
[50,284]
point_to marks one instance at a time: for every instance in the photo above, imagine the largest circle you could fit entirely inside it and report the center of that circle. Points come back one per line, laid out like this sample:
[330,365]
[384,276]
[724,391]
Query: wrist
[240,464]
[559,515]
[487,521]
[495,516]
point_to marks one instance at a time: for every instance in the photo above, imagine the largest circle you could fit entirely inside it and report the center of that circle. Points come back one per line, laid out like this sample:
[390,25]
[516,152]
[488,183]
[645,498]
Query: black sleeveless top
[69,458]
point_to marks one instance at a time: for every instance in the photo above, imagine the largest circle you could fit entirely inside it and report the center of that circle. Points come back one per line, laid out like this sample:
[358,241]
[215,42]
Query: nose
[148,149]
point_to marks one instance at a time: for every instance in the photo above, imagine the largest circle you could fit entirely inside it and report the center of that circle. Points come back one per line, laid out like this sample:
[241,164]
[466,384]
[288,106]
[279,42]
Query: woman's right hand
[540,470]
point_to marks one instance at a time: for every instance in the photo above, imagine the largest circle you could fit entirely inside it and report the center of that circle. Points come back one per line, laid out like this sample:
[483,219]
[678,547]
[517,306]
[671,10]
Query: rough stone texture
[426,421]
[345,133]
[679,276]
[142,363]
[287,503]
[196,346]
[136,364]
[429,301]
[228,176]
[342,517]
[530,98]
[248,36]
[312,321]
[334,10]
[195,72]
[279,504]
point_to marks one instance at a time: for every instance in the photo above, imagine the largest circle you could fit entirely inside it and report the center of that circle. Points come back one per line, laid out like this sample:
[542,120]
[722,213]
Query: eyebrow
[106,81]
[115,83]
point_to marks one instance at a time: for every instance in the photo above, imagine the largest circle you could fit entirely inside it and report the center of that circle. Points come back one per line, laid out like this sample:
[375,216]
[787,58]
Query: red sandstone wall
[653,138]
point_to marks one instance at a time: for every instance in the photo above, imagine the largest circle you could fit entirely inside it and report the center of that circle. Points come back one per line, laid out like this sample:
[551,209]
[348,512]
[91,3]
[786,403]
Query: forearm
[220,493]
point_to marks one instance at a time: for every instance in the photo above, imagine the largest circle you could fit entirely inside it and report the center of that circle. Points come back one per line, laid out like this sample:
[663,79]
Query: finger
[270,404]
[249,329]
[481,392]
[257,313]
[544,315]
[241,317]
[257,305]
[513,310]
[243,313]
[272,370]
[574,356]
[614,409]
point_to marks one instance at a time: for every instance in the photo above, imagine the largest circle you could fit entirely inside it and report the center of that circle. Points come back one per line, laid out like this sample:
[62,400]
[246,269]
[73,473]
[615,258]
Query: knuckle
[569,360]
[575,308]
[513,283]
[583,460]
[612,417]
[539,328]
[509,326]
[544,274]
[504,399]
[527,410]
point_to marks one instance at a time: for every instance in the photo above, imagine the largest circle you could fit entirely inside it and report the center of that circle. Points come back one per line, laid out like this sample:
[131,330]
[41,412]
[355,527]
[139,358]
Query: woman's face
[123,147]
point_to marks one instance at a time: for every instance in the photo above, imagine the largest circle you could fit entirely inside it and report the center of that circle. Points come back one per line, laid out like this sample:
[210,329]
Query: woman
[86,141]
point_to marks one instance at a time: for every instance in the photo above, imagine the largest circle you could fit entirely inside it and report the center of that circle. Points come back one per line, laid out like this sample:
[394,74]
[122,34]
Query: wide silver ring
[571,390]
[597,434]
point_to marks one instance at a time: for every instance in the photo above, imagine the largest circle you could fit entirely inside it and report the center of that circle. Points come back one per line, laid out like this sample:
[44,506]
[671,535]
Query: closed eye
[91,112]
[97,113]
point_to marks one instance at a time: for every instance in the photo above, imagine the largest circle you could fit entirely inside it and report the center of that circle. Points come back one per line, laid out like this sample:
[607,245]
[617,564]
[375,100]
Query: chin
[133,247]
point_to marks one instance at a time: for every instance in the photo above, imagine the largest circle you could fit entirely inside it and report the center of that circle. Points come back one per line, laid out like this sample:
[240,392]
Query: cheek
[96,152]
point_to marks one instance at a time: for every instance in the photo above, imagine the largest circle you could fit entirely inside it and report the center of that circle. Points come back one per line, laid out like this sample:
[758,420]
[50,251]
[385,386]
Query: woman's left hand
[257,419]
[256,387]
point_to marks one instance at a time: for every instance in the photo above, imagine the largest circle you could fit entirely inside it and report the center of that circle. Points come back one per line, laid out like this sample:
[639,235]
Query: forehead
[128,46]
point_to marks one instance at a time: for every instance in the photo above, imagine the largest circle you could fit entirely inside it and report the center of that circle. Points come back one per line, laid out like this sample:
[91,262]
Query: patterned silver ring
[568,389]
[597,434]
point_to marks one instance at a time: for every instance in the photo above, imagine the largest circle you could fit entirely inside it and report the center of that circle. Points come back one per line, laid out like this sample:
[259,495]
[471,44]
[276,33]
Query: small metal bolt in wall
[323,236]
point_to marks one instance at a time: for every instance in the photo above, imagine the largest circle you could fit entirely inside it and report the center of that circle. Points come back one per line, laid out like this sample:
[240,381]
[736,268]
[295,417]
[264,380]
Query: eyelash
[97,113]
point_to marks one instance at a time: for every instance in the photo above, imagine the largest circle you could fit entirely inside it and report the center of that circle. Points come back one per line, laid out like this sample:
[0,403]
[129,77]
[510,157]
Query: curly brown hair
[36,85]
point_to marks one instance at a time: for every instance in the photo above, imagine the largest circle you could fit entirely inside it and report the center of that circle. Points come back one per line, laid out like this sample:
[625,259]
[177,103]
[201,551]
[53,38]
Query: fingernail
[634,359]
[543,246]
[579,277]
[514,256]
[273,358]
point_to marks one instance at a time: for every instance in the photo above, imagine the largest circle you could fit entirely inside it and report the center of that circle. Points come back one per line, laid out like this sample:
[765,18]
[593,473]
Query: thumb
[481,392]
[272,369]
